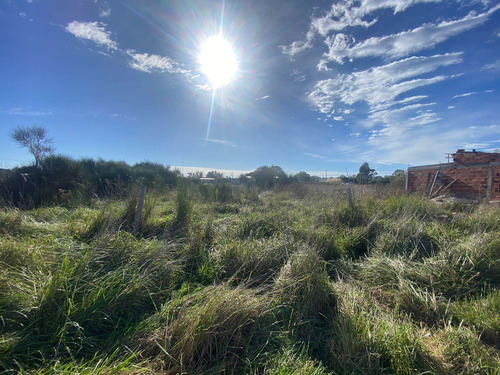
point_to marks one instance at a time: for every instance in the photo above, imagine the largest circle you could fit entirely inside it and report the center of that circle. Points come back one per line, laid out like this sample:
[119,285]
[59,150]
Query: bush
[62,180]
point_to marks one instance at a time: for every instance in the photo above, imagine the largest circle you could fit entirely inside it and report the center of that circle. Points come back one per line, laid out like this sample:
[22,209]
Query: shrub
[183,207]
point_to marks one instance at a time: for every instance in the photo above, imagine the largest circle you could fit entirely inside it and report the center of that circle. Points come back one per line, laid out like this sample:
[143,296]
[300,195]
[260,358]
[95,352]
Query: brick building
[472,174]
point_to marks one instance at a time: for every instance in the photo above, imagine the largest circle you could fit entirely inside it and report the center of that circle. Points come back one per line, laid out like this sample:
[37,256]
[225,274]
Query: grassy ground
[230,280]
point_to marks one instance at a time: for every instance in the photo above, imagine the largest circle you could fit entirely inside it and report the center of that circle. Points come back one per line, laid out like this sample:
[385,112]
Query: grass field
[230,280]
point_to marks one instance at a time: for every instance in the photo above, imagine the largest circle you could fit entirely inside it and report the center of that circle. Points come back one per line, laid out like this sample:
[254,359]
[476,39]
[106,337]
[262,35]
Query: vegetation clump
[237,279]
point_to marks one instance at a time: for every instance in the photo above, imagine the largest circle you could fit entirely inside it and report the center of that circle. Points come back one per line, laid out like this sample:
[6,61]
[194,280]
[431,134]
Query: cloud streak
[93,31]
[222,142]
[399,45]
[315,156]
[382,84]
[347,13]
[147,63]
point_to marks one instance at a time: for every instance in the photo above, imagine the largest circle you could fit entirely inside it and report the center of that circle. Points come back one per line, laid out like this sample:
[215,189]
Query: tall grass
[224,279]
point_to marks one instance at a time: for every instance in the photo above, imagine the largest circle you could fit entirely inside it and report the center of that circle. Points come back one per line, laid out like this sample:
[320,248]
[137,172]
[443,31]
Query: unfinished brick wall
[474,157]
[471,175]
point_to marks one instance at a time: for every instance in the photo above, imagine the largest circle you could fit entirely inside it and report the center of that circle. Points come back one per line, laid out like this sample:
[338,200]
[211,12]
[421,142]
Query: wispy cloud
[381,84]
[298,75]
[465,94]
[264,97]
[154,63]
[493,66]
[106,12]
[471,93]
[343,14]
[93,31]
[222,142]
[407,100]
[420,146]
[20,111]
[316,156]
[399,45]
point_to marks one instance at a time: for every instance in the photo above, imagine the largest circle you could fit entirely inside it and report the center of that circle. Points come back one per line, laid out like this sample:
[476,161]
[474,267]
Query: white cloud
[316,156]
[222,142]
[297,47]
[417,146]
[20,111]
[347,13]
[93,31]
[22,14]
[465,95]
[398,117]
[402,44]
[264,97]
[407,100]
[451,106]
[493,66]
[338,118]
[471,93]
[154,63]
[380,85]
[204,87]
[297,75]
[105,12]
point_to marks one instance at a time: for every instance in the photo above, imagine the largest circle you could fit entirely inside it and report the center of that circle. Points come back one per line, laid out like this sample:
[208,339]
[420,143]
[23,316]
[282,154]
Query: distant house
[472,174]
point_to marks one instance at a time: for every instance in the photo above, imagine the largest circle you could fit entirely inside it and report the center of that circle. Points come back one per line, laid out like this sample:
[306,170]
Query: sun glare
[218,61]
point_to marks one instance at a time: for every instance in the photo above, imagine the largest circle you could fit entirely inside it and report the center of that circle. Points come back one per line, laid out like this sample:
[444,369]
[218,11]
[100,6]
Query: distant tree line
[367,175]
[55,179]
[58,179]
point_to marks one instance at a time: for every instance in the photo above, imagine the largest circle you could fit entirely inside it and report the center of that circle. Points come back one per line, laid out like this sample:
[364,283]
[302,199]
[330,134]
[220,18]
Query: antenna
[448,156]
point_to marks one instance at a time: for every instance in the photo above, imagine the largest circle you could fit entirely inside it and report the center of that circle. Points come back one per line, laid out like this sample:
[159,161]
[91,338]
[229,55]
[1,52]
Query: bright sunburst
[218,61]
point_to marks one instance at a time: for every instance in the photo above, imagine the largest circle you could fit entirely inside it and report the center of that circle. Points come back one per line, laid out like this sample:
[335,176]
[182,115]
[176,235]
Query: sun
[218,61]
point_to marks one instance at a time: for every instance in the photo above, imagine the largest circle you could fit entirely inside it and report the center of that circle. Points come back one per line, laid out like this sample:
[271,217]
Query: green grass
[223,279]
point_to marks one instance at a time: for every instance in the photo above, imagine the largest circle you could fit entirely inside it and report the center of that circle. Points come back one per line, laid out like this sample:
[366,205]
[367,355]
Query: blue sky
[321,85]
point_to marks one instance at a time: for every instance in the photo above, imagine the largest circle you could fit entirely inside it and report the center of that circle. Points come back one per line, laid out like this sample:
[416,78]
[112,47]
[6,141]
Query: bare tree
[35,139]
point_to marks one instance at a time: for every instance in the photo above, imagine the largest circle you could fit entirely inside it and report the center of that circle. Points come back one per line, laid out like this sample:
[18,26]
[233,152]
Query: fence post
[490,183]
[349,196]
[138,213]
